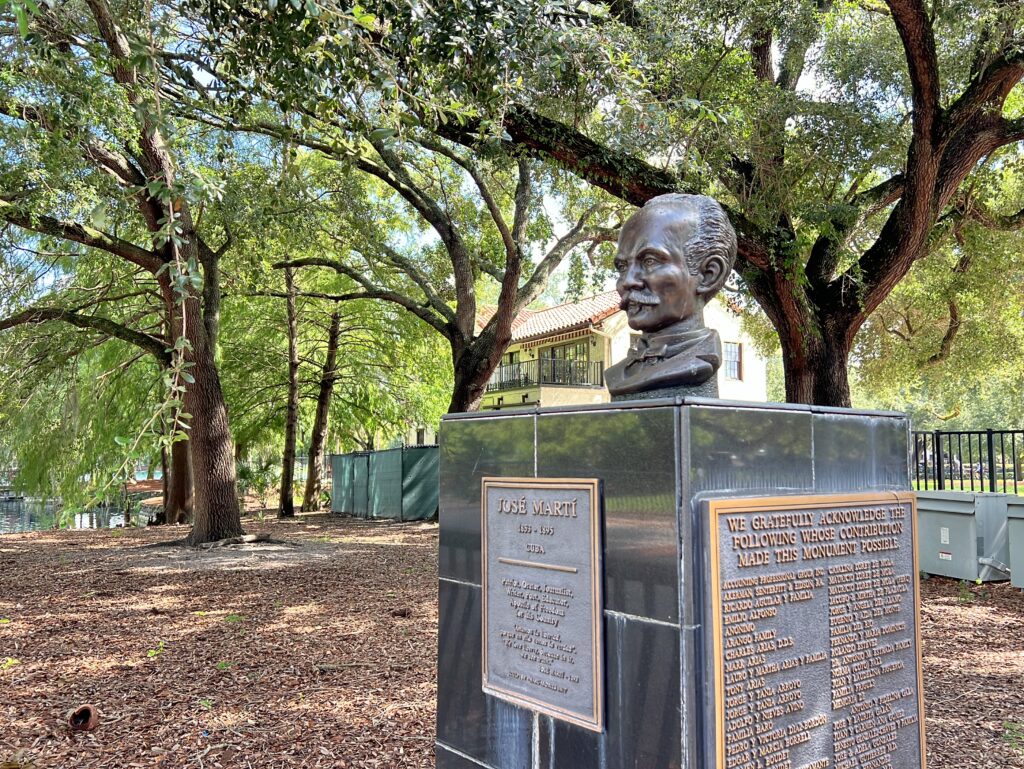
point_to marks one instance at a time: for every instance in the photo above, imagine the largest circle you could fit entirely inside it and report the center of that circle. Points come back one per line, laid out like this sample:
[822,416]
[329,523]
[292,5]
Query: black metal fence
[969,460]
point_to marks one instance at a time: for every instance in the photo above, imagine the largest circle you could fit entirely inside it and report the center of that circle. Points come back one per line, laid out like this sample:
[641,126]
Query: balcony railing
[546,371]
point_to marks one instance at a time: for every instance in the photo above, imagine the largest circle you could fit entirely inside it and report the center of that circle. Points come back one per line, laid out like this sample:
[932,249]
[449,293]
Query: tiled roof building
[558,355]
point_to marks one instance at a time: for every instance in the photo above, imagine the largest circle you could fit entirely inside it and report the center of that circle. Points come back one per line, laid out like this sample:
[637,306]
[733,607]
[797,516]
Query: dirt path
[323,654]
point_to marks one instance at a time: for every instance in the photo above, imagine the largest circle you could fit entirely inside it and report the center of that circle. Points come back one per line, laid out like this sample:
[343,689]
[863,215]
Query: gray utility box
[964,534]
[1015,527]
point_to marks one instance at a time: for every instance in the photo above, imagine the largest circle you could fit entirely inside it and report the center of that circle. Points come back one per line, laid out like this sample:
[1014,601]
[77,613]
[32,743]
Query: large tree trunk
[471,375]
[161,517]
[215,502]
[178,500]
[816,371]
[311,496]
[286,509]
[473,362]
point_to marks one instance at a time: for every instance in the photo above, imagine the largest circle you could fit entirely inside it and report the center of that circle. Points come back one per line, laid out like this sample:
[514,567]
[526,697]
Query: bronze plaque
[542,604]
[816,642]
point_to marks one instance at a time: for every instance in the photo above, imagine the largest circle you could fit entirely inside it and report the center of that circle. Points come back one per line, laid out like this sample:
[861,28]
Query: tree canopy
[840,134]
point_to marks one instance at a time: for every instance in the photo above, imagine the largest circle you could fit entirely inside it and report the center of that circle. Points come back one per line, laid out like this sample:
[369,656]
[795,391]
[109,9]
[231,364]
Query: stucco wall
[753,386]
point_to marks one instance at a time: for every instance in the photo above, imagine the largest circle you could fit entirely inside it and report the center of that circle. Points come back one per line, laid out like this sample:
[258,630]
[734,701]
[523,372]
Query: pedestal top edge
[677,401]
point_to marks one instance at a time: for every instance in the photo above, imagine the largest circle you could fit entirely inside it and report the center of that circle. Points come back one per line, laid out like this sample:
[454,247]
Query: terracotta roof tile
[485,313]
[530,324]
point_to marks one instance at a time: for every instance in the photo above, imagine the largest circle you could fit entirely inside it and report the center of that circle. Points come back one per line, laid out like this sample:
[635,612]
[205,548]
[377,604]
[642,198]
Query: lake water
[27,514]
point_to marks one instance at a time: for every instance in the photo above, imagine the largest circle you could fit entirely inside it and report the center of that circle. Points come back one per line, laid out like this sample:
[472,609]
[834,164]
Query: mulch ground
[323,654]
[260,656]
[973,655]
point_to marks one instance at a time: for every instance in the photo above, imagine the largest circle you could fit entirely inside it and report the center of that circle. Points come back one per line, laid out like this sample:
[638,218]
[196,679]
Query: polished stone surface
[633,452]
[745,451]
[852,452]
[470,450]
[485,728]
[642,692]
[449,759]
[657,460]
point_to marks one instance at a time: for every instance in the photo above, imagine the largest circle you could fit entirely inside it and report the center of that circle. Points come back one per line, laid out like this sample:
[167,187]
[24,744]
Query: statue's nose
[631,278]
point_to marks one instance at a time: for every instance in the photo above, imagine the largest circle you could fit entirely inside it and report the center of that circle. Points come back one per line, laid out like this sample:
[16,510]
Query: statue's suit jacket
[667,360]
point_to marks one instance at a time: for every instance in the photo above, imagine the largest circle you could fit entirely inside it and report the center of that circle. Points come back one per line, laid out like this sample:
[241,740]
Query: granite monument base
[687,665]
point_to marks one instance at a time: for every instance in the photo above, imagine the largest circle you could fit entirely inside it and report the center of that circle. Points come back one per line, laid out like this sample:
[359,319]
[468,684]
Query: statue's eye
[620,266]
[649,262]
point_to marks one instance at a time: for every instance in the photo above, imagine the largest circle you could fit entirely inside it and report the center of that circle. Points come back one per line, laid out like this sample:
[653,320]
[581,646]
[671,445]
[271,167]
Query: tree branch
[113,163]
[619,173]
[880,196]
[988,88]
[761,53]
[485,192]
[946,346]
[522,198]
[153,345]
[410,269]
[577,235]
[371,291]
[794,53]
[1006,222]
[915,31]
[79,233]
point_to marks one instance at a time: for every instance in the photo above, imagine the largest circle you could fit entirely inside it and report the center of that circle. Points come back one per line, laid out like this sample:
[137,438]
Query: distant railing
[969,460]
[547,371]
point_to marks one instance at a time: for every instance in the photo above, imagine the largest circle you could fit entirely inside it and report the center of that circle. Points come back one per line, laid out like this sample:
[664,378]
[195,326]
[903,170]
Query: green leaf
[22,17]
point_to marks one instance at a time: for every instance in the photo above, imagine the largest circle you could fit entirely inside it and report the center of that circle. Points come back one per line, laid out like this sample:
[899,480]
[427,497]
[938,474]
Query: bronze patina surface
[674,255]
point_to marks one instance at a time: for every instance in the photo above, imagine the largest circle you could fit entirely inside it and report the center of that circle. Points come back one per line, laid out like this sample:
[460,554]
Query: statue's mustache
[638,297]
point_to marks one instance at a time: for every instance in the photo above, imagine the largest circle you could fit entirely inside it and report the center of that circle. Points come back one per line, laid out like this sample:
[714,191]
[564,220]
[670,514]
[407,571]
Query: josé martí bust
[674,255]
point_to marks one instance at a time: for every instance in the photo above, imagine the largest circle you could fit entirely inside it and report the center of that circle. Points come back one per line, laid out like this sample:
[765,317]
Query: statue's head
[674,254]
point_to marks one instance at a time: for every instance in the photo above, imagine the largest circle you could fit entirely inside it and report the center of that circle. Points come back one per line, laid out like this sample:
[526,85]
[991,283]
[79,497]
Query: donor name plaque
[542,605]
[816,644]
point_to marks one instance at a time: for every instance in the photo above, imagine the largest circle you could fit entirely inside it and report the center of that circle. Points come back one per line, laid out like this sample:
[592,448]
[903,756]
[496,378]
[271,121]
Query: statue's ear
[712,276]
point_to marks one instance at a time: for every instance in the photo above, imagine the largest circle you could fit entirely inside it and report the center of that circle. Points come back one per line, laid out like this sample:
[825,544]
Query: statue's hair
[714,234]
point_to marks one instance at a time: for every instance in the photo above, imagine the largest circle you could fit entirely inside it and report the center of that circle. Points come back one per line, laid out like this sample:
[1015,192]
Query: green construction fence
[397,484]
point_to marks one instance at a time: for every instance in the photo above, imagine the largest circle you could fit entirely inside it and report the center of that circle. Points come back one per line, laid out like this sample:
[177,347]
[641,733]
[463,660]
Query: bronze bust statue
[674,254]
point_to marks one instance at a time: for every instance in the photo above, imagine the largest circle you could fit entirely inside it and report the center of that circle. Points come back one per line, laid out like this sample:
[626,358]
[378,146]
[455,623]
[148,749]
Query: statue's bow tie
[642,350]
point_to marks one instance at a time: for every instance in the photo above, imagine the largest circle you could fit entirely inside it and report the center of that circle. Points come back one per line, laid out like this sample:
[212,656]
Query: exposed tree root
[245,539]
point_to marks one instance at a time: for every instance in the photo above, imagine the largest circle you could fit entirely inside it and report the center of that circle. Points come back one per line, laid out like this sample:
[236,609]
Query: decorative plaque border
[717,507]
[594,718]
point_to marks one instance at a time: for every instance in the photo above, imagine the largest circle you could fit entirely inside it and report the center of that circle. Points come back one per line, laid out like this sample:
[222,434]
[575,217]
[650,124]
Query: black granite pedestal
[657,461]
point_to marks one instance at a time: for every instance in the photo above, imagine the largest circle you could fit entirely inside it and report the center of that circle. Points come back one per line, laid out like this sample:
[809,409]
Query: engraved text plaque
[815,636]
[542,605]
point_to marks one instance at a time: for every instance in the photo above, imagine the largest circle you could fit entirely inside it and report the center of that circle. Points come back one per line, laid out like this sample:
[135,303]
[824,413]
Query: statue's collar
[648,348]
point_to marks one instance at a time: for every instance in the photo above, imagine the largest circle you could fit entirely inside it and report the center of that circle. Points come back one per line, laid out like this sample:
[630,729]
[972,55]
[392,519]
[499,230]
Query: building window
[421,436]
[571,351]
[733,360]
[510,358]
[565,364]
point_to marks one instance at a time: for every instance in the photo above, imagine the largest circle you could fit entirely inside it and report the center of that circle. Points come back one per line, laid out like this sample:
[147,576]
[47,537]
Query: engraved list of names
[815,632]
[541,585]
